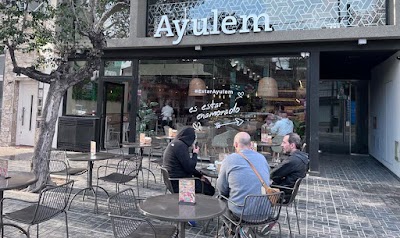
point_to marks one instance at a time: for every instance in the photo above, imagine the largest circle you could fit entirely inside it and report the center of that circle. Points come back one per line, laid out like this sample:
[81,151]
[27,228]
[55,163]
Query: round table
[209,173]
[167,208]
[90,158]
[15,180]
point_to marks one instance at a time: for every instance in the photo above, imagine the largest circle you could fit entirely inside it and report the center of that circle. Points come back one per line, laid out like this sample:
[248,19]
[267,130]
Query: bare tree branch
[28,71]
[107,14]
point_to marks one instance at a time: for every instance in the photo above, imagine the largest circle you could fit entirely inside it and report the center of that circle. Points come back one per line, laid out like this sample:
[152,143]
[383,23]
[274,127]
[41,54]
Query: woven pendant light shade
[267,87]
[196,85]
[301,91]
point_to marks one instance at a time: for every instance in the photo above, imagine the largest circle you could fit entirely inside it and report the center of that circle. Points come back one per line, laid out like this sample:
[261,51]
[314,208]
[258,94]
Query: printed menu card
[187,191]
[93,147]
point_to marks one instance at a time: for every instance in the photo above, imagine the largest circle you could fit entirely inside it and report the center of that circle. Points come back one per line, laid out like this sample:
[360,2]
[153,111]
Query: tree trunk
[42,151]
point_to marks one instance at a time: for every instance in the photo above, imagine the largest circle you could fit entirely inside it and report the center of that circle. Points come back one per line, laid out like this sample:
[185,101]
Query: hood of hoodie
[302,155]
[187,135]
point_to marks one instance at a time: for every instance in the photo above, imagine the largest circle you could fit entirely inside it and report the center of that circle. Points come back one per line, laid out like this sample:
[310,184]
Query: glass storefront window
[82,99]
[118,68]
[219,97]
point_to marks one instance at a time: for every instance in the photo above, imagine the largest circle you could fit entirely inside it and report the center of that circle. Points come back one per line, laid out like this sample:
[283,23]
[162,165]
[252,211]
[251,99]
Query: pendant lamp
[267,87]
[301,91]
[197,87]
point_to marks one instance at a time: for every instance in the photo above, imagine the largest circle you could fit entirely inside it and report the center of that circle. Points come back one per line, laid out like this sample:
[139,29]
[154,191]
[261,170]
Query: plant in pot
[299,127]
[147,116]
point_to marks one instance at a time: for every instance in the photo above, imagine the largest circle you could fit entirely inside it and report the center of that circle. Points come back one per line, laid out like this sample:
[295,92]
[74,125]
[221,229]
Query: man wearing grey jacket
[293,167]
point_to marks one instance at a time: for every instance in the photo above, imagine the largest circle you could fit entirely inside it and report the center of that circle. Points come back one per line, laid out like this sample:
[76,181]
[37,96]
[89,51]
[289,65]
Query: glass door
[343,126]
[358,117]
[114,112]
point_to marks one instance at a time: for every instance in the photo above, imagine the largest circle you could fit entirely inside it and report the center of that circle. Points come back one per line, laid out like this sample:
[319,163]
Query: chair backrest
[295,190]
[58,155]
[167,182]
[113,145]
[52,201]
[57,166]
[258,210]
[130,166]
[122,206]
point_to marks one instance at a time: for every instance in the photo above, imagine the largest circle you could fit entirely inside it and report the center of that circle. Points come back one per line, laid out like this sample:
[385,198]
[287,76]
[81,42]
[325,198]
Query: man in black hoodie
[179,164]
[293,167]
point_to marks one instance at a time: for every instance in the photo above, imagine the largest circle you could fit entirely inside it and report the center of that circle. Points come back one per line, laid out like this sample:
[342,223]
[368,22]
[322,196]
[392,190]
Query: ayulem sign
[200,25]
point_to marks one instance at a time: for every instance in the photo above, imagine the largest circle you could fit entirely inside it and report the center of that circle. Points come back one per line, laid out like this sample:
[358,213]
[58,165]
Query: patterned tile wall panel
[284,14]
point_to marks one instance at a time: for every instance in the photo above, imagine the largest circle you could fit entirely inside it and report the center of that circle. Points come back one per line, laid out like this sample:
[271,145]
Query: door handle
[23,115]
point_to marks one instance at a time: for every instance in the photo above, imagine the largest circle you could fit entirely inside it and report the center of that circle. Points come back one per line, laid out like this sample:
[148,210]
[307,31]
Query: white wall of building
[384,107]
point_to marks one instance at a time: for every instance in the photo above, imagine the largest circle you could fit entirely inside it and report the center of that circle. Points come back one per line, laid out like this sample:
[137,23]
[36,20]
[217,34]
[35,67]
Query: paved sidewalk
[354,196]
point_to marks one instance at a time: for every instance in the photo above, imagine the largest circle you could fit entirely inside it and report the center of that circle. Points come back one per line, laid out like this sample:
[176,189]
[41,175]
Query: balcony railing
[283,15]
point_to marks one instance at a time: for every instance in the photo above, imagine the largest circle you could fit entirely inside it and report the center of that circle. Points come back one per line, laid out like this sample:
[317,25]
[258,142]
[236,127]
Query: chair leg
[137,184]
[37,230]
[66,223]
[25,232]
[280,231]
[288,221]
[297,218]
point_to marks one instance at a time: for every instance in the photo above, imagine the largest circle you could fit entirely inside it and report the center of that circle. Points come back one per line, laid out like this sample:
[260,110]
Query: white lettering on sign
[233,110]
[211,106]
[193,109]
[200,25]
[237,121]
[214,91]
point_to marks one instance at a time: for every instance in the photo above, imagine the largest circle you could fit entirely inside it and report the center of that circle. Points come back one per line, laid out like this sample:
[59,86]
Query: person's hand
[196,149]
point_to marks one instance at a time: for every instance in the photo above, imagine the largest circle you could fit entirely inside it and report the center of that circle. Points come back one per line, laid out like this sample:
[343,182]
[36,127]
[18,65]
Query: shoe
[192,223]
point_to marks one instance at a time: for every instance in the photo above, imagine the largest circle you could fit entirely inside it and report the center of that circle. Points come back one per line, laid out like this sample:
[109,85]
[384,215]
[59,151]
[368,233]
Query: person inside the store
[166,112]
[292,167]
[180,164]
[283,126]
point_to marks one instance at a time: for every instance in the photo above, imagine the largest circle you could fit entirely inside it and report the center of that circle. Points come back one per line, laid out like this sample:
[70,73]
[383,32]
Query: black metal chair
[125,171]
[254,220]
[167,180]
[291,201]
[122,209]
[62,156]
[52,201]
[58,167]
[156,152]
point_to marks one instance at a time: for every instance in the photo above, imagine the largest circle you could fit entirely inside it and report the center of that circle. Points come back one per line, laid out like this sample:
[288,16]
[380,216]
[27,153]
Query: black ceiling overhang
[351,64]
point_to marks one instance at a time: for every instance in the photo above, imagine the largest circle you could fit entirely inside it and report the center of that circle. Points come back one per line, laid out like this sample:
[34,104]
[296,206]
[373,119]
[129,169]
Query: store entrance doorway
[343,126]
[114,112]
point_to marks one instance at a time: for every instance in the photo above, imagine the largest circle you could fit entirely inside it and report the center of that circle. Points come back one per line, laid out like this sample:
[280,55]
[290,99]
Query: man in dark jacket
[179,164]
[293,167]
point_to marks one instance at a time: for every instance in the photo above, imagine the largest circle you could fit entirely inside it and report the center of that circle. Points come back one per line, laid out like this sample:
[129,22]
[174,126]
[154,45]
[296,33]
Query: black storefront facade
[218,83]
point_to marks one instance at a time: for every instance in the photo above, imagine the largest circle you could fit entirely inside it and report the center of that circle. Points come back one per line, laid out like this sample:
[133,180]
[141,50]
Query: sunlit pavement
[353,196]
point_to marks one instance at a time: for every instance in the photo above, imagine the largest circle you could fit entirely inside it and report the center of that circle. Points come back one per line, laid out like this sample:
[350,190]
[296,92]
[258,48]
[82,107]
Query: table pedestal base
[94,192]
